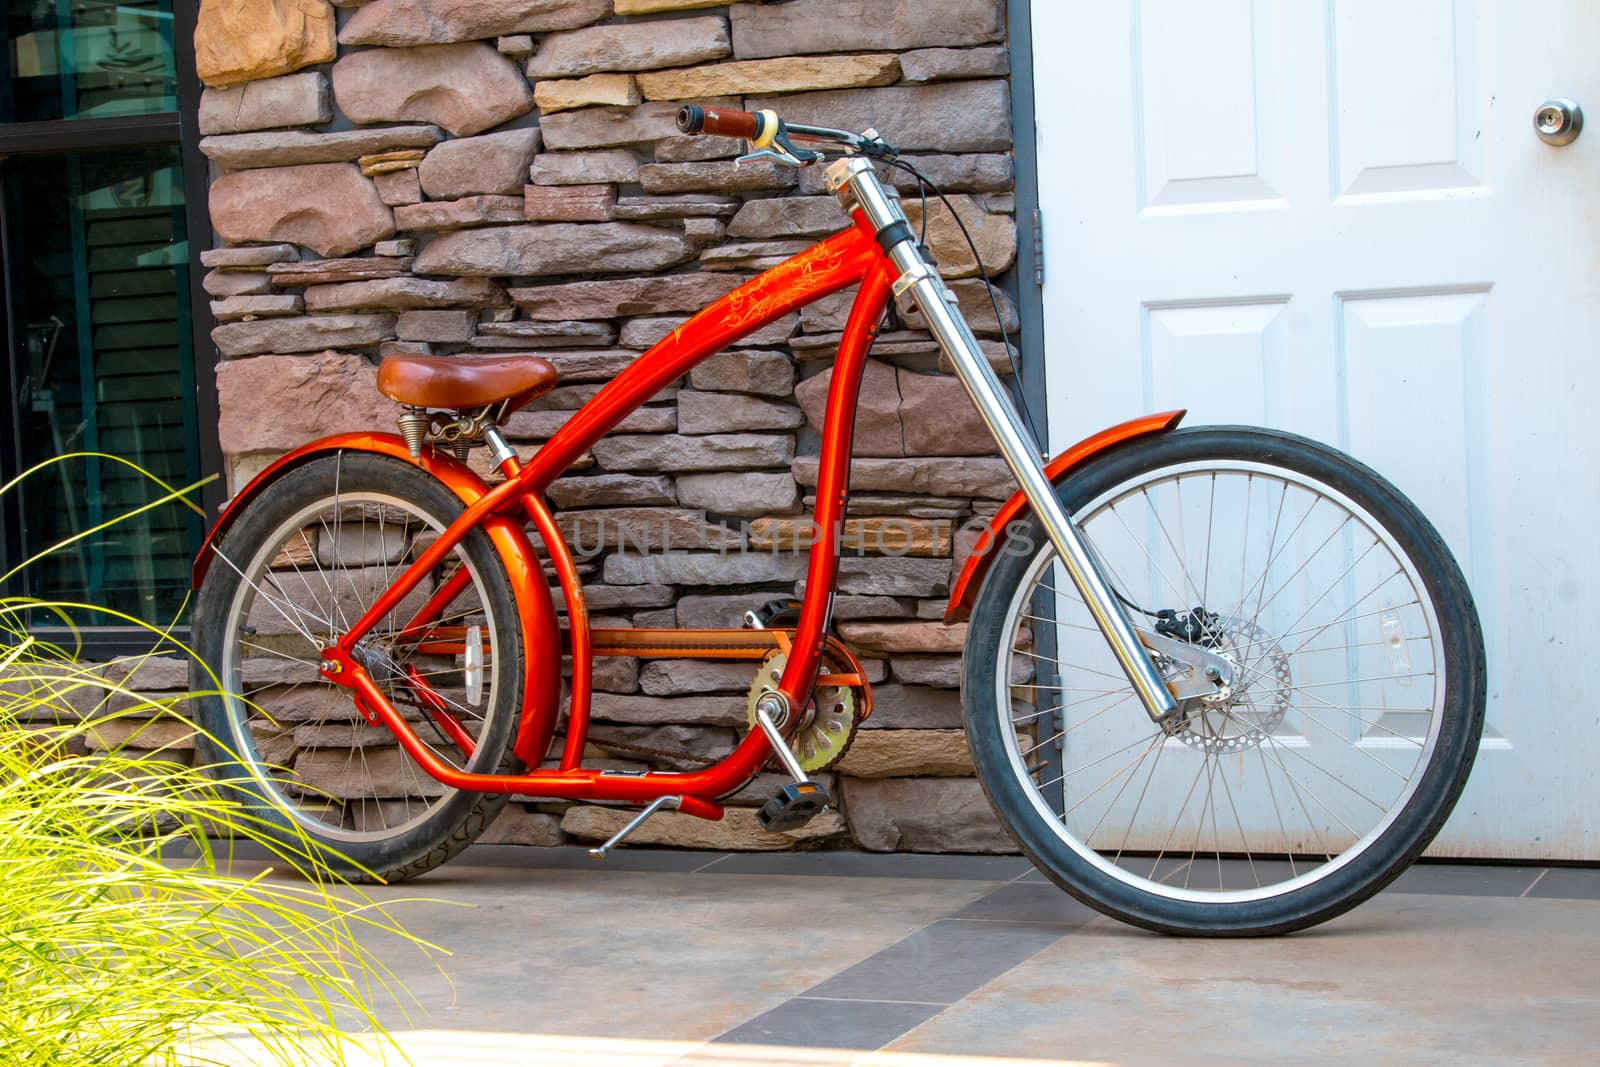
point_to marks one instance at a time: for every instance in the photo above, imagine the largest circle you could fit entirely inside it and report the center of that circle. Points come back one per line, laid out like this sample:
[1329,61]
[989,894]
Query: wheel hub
[377,660]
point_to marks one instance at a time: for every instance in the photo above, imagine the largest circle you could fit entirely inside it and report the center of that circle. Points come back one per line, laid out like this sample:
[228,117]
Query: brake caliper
[1196,626]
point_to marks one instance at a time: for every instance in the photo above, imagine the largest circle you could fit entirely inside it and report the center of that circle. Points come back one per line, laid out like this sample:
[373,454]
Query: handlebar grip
[724,122]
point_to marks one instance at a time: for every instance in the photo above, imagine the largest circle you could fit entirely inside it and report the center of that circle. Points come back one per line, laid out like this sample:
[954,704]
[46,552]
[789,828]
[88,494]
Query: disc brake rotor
[1259,696]
[827,726]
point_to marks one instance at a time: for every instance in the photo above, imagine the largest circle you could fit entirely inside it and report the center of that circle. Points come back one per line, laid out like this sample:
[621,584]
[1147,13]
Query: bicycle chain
[707,761]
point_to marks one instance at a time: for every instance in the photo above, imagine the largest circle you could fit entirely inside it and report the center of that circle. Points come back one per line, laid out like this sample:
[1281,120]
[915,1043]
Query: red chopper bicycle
[1280,733]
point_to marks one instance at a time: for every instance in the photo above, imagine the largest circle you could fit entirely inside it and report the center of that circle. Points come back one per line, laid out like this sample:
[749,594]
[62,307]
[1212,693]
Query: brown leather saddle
[460,383]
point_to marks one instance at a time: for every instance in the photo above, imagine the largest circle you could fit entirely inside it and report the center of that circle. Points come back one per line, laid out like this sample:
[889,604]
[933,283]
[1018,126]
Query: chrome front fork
[939,308]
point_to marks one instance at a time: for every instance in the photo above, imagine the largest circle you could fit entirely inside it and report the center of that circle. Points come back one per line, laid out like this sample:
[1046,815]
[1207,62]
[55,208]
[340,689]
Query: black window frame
[180,128]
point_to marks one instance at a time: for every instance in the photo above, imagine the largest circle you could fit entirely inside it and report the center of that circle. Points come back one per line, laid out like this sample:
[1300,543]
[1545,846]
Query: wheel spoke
[1154,745]
[1155,740]
[1172,833]
[1139,543]
[1133,820]
[277,605]
[1178,554]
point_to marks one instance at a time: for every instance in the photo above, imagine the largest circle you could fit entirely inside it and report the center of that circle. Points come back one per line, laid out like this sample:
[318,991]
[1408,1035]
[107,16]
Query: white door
[1337,218]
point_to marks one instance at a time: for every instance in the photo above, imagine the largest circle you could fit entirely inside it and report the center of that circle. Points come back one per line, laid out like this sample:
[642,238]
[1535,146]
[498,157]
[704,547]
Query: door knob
[1558,121]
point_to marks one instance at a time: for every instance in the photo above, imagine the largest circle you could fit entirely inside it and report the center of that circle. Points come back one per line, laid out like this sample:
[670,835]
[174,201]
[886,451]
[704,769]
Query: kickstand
[633,824]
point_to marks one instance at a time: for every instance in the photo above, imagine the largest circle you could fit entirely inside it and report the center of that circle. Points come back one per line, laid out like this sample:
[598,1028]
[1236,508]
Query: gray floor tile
[1450,980]
[569,858]
[1456,879]
[1569,883]
[224,849]
[1028,902]
[876,865]
[853,1024]
[942,963]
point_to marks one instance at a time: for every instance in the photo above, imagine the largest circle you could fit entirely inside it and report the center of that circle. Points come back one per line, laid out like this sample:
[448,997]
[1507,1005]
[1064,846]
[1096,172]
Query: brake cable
[872,146]
[924,183]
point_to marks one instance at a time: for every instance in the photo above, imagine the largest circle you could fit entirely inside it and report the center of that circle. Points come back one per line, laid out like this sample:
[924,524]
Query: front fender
[993,539]
[541,636]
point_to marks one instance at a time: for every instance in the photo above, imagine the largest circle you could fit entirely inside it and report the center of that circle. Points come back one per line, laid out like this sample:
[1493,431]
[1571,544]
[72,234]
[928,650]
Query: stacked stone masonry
[465,177]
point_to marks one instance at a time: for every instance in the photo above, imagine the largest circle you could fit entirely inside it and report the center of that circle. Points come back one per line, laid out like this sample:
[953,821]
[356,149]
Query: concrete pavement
[661,957]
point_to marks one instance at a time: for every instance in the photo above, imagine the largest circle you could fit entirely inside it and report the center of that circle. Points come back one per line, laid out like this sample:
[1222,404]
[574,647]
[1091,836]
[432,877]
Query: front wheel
[1305,785]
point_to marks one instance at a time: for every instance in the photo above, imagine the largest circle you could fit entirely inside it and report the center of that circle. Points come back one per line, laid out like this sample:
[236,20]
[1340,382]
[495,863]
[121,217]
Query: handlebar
[770,135]
[758,127]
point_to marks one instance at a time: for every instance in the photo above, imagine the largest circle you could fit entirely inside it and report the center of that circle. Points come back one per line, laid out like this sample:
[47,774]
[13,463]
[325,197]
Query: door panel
[1403,354]
[1190,347]
[1204,139]
[1407,112]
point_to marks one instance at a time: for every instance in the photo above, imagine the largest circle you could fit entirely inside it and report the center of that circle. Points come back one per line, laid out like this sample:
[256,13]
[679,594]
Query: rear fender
[992,542]
[353,442]
[541,637]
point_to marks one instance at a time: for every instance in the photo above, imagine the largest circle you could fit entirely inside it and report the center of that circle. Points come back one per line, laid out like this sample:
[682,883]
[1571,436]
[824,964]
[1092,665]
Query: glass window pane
[71,59]
[99,279]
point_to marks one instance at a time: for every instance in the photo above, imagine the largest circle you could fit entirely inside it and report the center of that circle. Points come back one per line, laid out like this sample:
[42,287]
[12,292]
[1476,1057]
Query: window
[77,59]
[101,342]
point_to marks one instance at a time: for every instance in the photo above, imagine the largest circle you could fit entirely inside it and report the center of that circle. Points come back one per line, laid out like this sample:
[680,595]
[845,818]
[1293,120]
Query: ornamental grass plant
[124,939]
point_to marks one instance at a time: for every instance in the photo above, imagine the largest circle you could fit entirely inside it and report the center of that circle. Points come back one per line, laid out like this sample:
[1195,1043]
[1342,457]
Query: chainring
[828,723]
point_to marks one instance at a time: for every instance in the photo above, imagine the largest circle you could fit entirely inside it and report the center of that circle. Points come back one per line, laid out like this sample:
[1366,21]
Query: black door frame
[1026,285]
[1028,277]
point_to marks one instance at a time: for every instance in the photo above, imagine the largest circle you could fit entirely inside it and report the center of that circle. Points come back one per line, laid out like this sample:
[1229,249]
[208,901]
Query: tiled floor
[659,957]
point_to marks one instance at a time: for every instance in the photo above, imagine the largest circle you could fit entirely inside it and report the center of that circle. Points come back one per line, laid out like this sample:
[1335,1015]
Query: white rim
[1047,817]
[240,713]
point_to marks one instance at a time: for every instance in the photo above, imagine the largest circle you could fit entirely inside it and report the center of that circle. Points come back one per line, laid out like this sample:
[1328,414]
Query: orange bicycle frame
[849,258]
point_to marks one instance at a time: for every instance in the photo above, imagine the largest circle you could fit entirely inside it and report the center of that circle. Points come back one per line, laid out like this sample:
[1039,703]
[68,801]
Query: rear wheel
[1318,774]
[305,560]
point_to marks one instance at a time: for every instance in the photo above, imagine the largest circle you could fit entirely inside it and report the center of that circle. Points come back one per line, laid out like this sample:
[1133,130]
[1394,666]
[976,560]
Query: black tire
[1309,876]
[269,739]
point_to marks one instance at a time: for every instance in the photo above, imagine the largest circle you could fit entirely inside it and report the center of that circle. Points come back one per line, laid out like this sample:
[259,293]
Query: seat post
[500,451]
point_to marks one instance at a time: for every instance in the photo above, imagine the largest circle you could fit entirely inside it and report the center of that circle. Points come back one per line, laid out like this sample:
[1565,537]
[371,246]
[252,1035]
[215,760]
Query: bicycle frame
[848,258]
[876,253]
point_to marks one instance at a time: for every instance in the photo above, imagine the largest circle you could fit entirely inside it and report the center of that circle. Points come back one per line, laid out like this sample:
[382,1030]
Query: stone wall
[491,176]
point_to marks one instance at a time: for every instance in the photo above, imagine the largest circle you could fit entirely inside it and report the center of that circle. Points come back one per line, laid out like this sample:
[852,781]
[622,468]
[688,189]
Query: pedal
[795,805]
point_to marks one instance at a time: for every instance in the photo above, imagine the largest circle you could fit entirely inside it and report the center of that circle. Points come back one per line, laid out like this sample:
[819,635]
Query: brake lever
[799,155]
[781,150]
[767,153]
